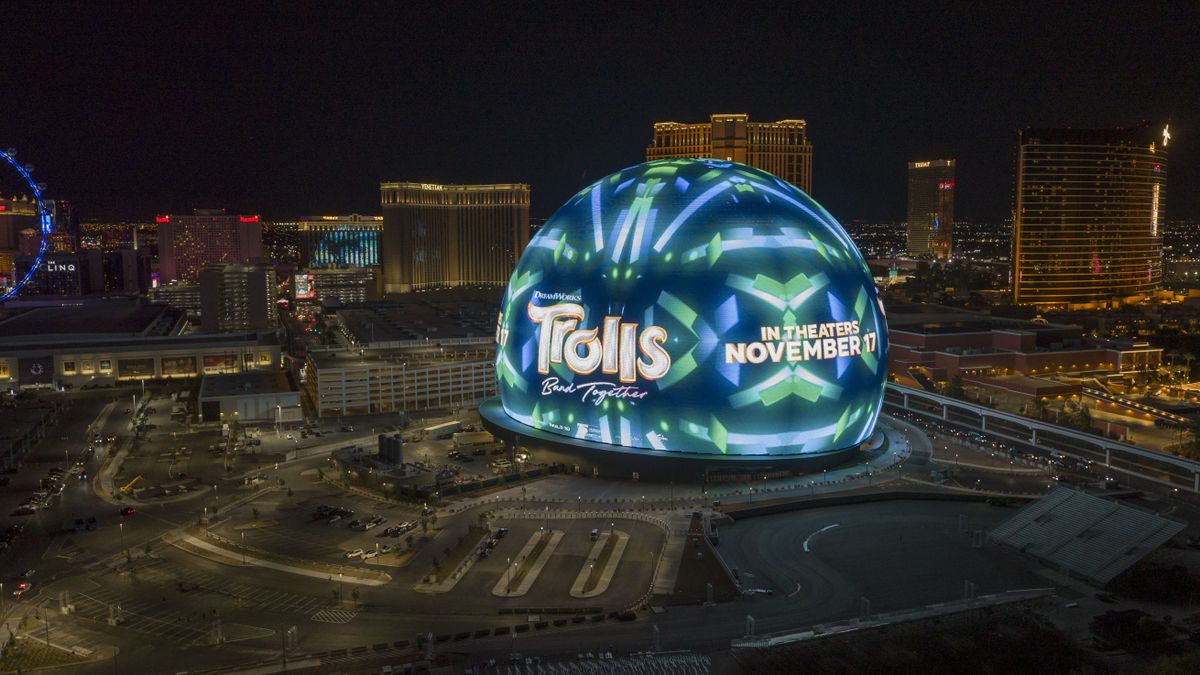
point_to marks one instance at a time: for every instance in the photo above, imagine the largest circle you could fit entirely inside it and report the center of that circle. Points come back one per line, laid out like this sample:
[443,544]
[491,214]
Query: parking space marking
[265,598]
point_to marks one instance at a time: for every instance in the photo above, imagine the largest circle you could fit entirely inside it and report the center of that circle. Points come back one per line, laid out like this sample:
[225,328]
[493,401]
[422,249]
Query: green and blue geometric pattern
[712,252]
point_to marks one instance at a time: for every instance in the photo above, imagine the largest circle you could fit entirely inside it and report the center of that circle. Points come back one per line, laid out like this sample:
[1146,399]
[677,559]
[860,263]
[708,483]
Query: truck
[443,430]
[464,438]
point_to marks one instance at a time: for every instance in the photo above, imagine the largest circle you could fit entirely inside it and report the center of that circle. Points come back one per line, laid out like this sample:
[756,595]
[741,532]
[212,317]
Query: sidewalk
[232,557]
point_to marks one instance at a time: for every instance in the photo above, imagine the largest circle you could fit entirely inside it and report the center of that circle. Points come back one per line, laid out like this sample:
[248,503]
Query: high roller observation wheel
[45,222]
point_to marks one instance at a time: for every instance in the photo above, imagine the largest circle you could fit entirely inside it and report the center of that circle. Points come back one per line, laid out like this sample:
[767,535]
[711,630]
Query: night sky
[130,109]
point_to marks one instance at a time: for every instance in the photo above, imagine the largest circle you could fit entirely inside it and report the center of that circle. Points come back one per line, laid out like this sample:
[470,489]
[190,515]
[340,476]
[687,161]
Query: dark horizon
[135,110]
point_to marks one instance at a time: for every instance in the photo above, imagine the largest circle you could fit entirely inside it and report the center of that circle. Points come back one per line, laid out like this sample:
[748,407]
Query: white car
[369,554]
[356,553]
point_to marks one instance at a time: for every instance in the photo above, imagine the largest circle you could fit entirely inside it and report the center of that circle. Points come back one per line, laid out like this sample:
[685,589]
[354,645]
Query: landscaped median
[518,578]
[458,561]
[197,541]
[601,565]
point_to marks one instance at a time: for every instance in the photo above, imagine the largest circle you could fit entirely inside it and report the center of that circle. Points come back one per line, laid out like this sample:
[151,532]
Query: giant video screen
[694,306]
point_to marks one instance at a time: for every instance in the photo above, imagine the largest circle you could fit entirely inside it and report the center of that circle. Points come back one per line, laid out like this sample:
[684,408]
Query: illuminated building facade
[17,216]
[237,297]
[424,376]
[931,208]
[780,148]
[1086,215]
[437,236]
[187,243]
[62,274]
[339,241]
[345,285]
[280,242]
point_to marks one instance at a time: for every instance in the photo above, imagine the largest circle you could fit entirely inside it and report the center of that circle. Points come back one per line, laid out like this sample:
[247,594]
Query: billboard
[694,306]
[305,289]
[178,366]
[35,370]
[143,367]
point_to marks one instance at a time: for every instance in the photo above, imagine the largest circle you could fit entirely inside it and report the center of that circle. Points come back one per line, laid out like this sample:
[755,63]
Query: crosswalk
[334,616]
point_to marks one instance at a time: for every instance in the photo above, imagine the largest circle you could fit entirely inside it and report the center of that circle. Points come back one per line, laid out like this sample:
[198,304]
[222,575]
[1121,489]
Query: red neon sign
[162,219]
[248,219]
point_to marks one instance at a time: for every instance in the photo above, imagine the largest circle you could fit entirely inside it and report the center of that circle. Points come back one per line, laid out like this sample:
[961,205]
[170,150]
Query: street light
[339,589]
[508,566]
[244,548]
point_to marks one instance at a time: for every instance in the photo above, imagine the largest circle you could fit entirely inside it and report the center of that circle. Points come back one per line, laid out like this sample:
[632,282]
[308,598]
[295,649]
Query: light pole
[339,589]
[121,526]
[508,566]
[244,548]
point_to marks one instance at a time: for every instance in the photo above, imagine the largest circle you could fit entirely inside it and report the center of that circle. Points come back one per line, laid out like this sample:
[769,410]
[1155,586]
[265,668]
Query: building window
[68,367]
[105,366]
[87,367]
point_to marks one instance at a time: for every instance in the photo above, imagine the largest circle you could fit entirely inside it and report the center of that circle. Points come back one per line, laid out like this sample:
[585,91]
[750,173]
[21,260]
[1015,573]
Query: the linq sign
[55,266]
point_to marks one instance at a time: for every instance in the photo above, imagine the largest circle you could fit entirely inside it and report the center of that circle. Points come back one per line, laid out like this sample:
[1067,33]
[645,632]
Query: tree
[290,494]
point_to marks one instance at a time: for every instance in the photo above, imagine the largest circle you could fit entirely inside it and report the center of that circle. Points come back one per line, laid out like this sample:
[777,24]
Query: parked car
[356,553]
[128,510]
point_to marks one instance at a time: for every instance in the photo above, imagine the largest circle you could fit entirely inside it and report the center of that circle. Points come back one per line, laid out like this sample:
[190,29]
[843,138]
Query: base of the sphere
[620,462]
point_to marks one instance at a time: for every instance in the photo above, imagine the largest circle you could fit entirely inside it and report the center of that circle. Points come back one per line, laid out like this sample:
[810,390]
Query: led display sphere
[694,306]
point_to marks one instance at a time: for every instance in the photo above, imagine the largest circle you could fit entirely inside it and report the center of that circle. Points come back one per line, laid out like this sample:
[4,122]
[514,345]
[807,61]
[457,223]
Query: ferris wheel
[45,221]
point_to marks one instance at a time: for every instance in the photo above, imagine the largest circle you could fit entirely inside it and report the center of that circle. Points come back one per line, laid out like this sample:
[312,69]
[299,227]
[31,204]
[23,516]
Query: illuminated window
[105,366]
[87,367]
[68,367]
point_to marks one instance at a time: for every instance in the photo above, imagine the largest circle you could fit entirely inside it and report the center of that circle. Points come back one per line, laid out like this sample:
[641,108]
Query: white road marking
[793,593]
[823,529]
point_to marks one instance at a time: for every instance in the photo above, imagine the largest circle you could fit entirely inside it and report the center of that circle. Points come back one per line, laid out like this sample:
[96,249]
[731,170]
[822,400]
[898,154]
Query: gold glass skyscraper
[781,148]
[1087,205]
[451,235]
[931,208]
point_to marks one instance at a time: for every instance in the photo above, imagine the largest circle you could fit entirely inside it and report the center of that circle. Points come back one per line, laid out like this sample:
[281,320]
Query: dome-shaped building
[689,309]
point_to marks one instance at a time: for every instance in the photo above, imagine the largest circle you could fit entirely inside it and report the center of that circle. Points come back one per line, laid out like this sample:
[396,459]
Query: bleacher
[670,663]
[1089,536]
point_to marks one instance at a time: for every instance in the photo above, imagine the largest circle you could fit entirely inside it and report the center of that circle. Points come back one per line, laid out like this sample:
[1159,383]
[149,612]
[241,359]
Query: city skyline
[239,128]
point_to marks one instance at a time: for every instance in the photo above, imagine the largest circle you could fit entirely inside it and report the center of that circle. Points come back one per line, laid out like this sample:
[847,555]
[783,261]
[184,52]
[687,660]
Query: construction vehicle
[129,486]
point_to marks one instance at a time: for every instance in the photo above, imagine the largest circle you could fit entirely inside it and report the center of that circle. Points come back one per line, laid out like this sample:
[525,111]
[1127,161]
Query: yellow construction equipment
[130,484]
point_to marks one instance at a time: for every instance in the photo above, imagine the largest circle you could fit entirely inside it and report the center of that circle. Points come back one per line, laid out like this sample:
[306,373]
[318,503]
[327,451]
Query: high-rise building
[451,235]
[931,208]
[280,243]
[1086,209]
[339,241]
[186,243]
[237,297]
[16,215]
[62,274]
[781,148]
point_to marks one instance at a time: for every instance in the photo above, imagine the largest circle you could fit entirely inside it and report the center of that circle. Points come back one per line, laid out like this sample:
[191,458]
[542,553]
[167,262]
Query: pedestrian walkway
[241,557]
[334,616]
